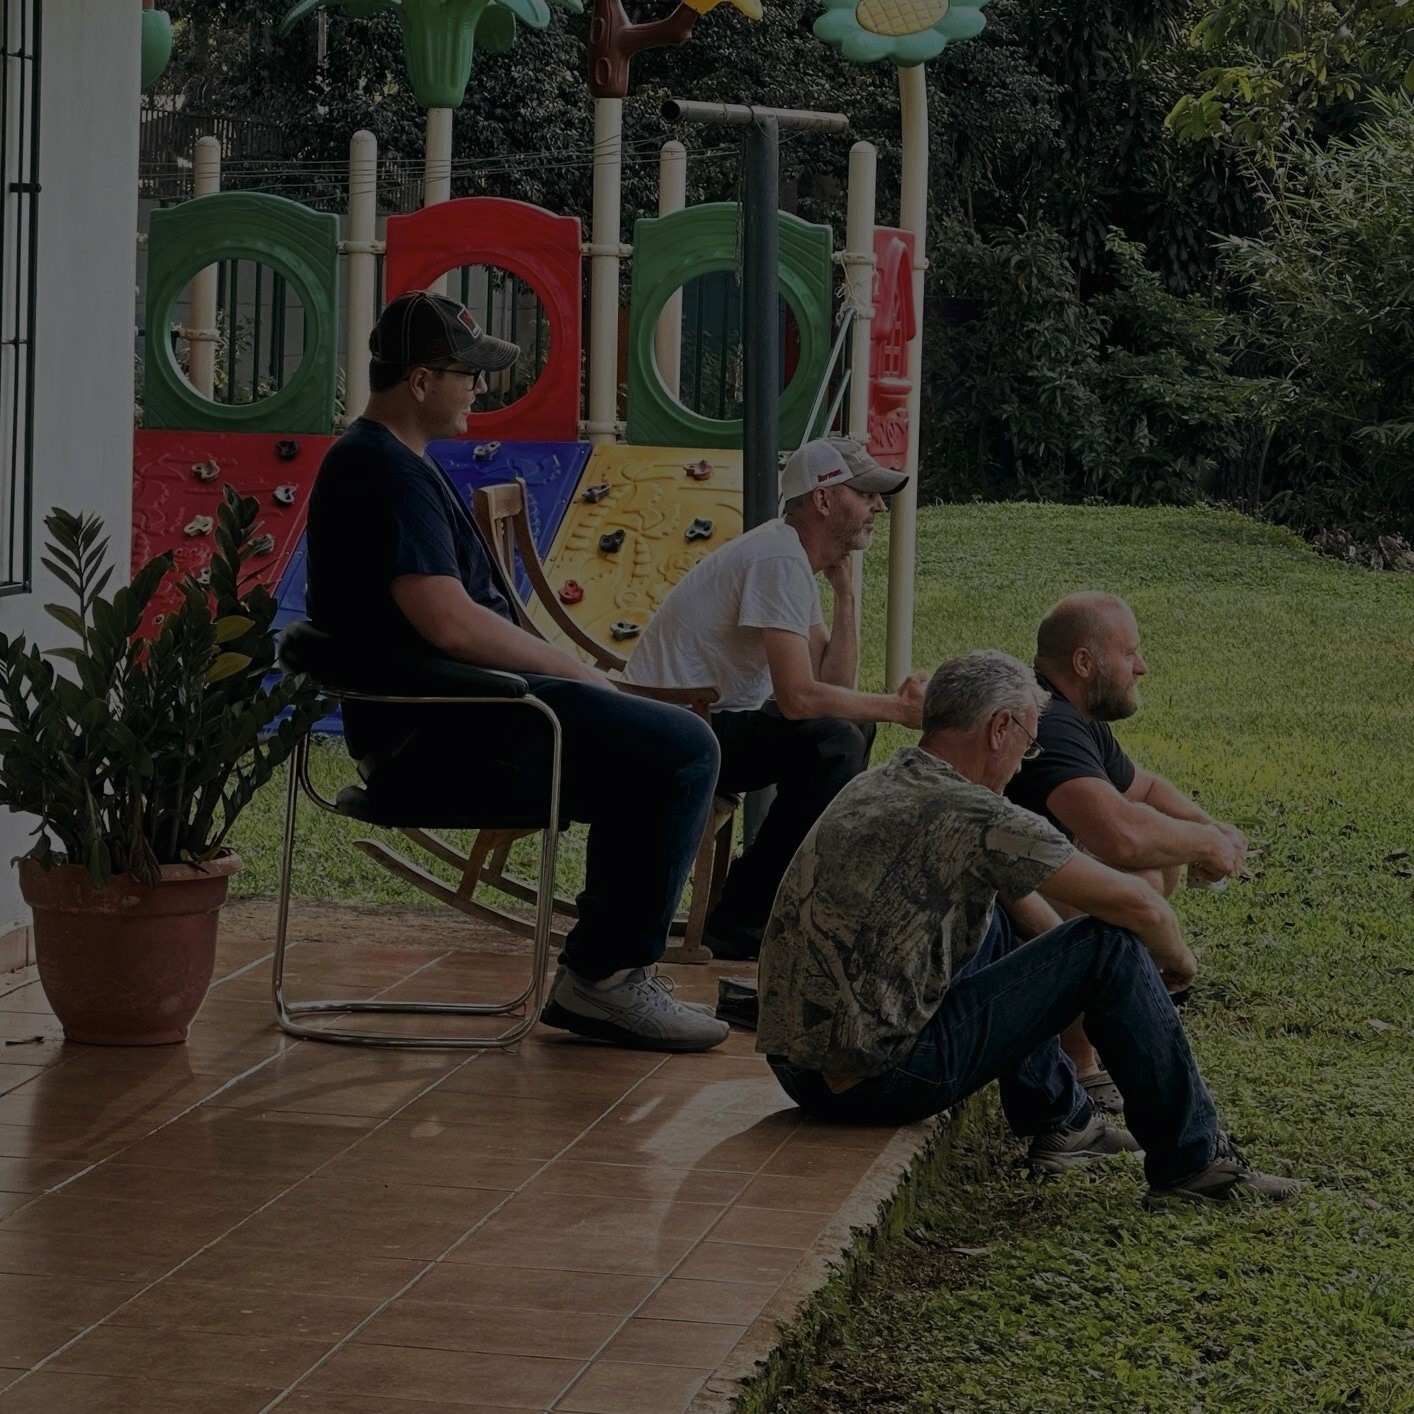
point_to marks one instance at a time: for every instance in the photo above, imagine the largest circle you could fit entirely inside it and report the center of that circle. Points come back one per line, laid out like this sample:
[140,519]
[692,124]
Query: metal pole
[604,271]
[903,508]
[437,169]
[761,353]
[201,335]
[672,196]
[363,224]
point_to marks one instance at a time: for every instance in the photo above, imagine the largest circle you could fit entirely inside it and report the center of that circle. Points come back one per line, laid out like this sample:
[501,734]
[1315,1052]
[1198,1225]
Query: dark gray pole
[761,351]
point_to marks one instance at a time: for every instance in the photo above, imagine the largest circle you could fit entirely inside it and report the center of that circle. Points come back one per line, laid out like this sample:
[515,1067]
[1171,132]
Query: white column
[672,196]
[604,270]
[437,167]
[201,336]
[903,509]
[360,316]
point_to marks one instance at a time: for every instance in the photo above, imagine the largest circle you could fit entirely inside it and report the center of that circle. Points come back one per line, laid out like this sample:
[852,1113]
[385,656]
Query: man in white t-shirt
[747,620]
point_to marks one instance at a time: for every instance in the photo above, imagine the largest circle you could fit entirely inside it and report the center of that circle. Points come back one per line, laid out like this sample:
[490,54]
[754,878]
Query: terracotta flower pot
[126,965]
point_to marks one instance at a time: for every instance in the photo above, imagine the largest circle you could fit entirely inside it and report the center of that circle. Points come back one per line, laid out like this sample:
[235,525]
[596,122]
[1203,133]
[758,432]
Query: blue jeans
[999,1020]
[641,775]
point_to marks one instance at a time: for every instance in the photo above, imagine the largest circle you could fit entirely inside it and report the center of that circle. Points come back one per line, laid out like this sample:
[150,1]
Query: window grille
[19,213]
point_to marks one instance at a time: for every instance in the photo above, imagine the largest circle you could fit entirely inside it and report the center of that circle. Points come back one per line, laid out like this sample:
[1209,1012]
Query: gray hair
[965,692]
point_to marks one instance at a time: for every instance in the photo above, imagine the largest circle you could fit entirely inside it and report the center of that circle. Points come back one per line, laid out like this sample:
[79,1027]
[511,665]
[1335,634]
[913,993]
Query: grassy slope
[1281,691]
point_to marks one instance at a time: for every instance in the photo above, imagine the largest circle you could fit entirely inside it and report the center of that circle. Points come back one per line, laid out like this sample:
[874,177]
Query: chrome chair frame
[526,1003]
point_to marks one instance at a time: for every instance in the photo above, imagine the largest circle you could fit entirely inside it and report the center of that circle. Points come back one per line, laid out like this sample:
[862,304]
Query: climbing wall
[636,526]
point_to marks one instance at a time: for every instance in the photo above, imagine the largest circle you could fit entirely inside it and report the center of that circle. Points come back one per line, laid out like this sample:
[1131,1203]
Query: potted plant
[136,758]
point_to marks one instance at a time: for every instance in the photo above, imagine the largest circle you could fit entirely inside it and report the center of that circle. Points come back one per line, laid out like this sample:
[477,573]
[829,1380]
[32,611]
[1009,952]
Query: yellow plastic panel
[653,501]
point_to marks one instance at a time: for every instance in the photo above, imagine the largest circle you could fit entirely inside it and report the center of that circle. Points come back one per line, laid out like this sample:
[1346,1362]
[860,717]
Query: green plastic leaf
[232,626]
[497,31]
[66,616]
[226,665]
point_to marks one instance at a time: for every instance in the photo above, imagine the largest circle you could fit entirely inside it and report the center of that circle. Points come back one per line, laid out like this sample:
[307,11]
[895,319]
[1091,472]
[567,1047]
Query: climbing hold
[262,545]
[198,525]
[285,495]
[594,493]
[287,449]
[700,529]
[571,592]
[203,575]
[484,451]
[621,629]
[207,470]
[698,471]
[613,541]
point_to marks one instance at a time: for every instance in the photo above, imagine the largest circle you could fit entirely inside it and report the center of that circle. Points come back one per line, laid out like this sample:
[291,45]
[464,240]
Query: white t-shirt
[708,631]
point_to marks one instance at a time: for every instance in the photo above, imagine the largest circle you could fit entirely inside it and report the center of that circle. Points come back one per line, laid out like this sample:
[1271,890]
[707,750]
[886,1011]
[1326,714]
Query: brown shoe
[1092,1141]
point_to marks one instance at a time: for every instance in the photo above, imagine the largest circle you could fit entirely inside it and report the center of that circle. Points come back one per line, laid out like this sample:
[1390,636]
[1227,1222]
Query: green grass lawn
[1281,691]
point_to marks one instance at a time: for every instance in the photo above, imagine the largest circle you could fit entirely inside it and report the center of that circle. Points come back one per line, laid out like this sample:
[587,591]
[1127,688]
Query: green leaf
[68,617]
[232,626]
[227,665]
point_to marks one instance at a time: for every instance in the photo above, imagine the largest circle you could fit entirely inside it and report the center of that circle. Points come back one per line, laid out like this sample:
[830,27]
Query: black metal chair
[393,796]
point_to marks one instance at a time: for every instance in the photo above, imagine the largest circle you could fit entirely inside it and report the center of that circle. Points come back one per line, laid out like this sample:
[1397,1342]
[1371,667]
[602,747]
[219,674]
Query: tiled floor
[249,1222]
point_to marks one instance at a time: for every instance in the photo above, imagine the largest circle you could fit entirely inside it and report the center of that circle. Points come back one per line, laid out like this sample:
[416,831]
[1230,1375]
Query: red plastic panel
[895,324]
[536,246]
[168,495]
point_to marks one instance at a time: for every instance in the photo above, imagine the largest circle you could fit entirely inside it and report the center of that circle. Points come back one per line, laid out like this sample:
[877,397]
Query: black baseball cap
[423,328]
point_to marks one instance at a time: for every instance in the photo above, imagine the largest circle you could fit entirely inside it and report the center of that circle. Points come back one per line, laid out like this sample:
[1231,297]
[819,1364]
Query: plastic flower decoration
[908,32]
[439,36]
[750,8]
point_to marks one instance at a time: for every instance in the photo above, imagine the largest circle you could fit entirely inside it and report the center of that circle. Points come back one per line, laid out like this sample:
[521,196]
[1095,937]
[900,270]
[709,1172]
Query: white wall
[84,339]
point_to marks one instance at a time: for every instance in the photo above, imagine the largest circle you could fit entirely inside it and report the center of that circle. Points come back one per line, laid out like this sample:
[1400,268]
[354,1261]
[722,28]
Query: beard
[1107,700]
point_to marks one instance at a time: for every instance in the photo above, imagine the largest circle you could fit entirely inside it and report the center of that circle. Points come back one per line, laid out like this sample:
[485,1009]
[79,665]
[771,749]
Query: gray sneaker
[639,1012]
[1228,1177]
[1088,1143]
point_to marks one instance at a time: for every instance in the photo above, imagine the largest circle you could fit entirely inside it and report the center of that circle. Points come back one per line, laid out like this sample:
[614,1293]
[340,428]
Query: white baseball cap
[837,461]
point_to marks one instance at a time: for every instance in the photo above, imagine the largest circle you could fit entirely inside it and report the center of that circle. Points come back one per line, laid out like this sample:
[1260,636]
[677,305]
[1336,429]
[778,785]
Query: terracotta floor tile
[713,1066]
[541,1289]
[694,1344]
[209,1357]
[812,1161]
[683,1138]
[496,1329]
[226,1139]
[327,1402]
[610,1388]
[13,1076]
[324,1085]
[12,1202]
[238,1263]
[21,1175]
[92,1255]
[727,1261]
[344,1217]
[25,1340]
[78,1084]
[650,1255]
[816,1134]
[569,1178]
[732,1303]
[452,1377]
[59,1299]
[60,1214]
[820,1193]
[770,1227]
[63,1143]
[28,998]
[49,1392]
[230,1192]
[425,1152]
[178,1304]
[509,1139]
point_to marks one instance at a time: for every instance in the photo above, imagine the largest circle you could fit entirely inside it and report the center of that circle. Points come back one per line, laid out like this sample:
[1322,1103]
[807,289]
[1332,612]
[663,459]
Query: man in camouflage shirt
[892,986]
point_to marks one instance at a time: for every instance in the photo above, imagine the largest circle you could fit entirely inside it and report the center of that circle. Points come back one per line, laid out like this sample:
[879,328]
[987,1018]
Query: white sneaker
[706,1008]
[639,1012]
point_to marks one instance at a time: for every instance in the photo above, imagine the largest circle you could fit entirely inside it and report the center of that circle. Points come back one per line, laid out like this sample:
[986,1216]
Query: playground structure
[854,369]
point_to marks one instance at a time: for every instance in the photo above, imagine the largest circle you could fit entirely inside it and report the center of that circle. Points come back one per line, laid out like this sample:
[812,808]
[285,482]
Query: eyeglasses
[477,376]
[1035,749]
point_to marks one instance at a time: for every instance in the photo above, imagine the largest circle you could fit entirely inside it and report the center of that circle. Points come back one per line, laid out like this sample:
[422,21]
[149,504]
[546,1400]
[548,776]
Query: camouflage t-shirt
[890,892]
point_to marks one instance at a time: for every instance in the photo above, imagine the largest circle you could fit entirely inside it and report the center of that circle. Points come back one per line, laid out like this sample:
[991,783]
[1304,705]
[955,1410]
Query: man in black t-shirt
[1088,658]
[397,566]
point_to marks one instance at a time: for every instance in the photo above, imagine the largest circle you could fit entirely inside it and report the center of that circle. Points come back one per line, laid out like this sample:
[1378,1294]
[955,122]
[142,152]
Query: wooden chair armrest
[695,699]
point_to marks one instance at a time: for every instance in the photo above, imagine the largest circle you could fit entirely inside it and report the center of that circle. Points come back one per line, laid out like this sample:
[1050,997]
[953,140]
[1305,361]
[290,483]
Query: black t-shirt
[1073,748]
[378,510]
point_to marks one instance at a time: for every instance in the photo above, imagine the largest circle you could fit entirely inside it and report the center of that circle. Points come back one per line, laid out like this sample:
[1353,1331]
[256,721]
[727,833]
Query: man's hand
[1177,965]
[910,695]
[1227,849]
[840,577]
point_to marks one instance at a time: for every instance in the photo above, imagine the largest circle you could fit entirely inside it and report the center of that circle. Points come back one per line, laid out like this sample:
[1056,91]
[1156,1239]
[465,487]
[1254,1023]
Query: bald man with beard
[1088,659]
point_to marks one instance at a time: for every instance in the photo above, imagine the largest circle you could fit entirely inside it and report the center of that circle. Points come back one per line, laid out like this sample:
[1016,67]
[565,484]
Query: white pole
[437,169]
[672,196]
[903,508]
[201,336]
[858,260]
[604,271]
[363,225]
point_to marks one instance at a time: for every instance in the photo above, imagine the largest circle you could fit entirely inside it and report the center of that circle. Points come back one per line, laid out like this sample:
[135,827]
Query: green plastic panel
[301,244]
[668,251]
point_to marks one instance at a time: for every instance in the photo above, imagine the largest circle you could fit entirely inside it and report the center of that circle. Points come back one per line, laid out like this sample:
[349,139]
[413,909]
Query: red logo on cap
[830,475]
[466,318]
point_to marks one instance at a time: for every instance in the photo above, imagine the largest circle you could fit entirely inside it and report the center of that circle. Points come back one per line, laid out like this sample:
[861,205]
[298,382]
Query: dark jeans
[999,1021]
[639,773]
[809,762]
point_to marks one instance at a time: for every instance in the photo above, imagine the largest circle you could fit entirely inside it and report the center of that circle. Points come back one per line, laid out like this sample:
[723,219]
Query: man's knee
[839,745]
